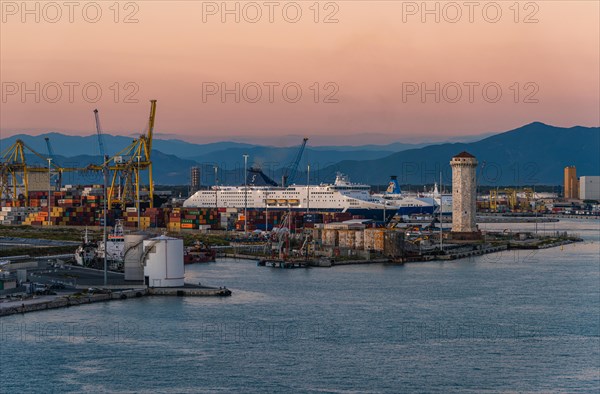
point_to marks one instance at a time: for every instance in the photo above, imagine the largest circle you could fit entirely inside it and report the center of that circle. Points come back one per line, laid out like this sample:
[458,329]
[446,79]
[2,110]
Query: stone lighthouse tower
[464,194]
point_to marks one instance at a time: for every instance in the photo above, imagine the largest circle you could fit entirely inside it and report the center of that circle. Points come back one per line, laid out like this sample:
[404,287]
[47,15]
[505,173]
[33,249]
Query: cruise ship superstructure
[341,196]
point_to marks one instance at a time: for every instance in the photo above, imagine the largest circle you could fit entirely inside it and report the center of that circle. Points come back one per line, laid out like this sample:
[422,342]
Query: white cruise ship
[341,196]
[406,204]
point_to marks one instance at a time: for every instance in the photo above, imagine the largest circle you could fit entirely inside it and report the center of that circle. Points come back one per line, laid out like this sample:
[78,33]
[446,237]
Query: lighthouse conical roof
[465,154]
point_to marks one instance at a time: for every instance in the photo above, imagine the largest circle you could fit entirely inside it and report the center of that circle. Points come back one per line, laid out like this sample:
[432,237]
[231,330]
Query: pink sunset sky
[361,76]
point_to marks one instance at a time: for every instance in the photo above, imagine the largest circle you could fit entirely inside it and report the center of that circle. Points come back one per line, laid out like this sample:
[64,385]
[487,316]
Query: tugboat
[199,253]
[115,246]
[87,252]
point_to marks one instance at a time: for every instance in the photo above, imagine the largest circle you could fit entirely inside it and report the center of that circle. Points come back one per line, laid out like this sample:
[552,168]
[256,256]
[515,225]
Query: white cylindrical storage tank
[163,262]
[134,249]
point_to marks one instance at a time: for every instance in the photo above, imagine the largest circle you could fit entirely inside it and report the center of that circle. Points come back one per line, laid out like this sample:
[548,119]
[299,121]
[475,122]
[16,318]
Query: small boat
[115,246]
[199,253]
[87,252]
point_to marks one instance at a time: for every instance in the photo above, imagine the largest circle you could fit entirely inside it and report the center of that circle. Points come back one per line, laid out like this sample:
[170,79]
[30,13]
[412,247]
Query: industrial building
[589,188]
[194,179]
[571,186]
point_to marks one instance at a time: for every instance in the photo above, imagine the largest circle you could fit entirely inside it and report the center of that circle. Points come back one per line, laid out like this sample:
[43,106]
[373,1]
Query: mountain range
[533,154]
[227,155]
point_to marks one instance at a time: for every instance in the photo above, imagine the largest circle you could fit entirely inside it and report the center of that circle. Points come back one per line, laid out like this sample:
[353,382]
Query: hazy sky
[366,70]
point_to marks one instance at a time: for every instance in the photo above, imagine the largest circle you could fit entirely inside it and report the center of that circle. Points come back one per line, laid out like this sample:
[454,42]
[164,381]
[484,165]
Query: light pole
[105,173]
[216,187]
[49,188]
[441,216]
[137,188]
[307,188]
[535,209]
[245,194]
[266,209]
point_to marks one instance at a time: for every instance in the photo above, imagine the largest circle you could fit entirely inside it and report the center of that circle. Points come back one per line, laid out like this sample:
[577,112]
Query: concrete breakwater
[331,262]
[65,301]
[33,305]
[544,245]
[516,219]
[239,256]
[189,291]
[460,254]
[573,216]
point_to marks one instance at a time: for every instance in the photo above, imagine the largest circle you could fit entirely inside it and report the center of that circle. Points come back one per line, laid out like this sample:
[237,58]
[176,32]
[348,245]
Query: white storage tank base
[134,270]
[163,262]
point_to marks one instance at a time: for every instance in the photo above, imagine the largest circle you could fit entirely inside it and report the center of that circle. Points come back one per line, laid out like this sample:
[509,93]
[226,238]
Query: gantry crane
[52,156]
[494,200]
[14,170]
[529,198]
[126,164]
[283,236]
[290,174]
[511,198]
[125,167]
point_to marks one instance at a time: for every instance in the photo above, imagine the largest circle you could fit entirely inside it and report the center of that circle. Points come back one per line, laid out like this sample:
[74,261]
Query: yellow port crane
[511,198]
[529,198]
[125,167]
[493,203]
[15,172]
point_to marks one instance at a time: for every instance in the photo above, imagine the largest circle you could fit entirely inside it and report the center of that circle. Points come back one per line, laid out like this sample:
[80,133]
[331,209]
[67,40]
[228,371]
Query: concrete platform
[42,303]
[189,291]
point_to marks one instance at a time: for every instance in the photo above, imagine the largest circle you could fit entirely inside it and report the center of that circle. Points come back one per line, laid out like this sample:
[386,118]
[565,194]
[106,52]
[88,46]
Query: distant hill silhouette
[65,145]
[533,154]
[226,155]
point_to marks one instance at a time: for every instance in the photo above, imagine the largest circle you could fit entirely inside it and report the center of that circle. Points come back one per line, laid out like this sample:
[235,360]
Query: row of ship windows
[285,193]
[232,201]
[274,197]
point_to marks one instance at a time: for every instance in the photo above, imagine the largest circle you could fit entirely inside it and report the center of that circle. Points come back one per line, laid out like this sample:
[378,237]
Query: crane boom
[50,150]
[99,134]
[290,175]
[150,128]
[53,157]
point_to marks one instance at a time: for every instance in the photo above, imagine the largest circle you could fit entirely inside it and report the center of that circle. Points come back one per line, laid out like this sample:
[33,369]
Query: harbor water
[517,321]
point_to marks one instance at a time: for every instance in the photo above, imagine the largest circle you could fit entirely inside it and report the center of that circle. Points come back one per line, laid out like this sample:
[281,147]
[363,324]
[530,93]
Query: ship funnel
[393,186]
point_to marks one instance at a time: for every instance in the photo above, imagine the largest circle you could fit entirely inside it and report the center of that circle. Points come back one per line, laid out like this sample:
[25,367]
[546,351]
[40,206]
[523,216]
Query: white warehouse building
[589,188]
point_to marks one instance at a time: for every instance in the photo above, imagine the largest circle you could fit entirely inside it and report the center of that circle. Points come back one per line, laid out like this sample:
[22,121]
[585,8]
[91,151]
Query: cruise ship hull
[374,214]
[341,196]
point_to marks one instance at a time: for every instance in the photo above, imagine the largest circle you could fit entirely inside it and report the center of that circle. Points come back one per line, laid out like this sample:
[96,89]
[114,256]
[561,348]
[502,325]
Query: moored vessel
[340,196]
[199,253]
[87,252]
[405,205]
